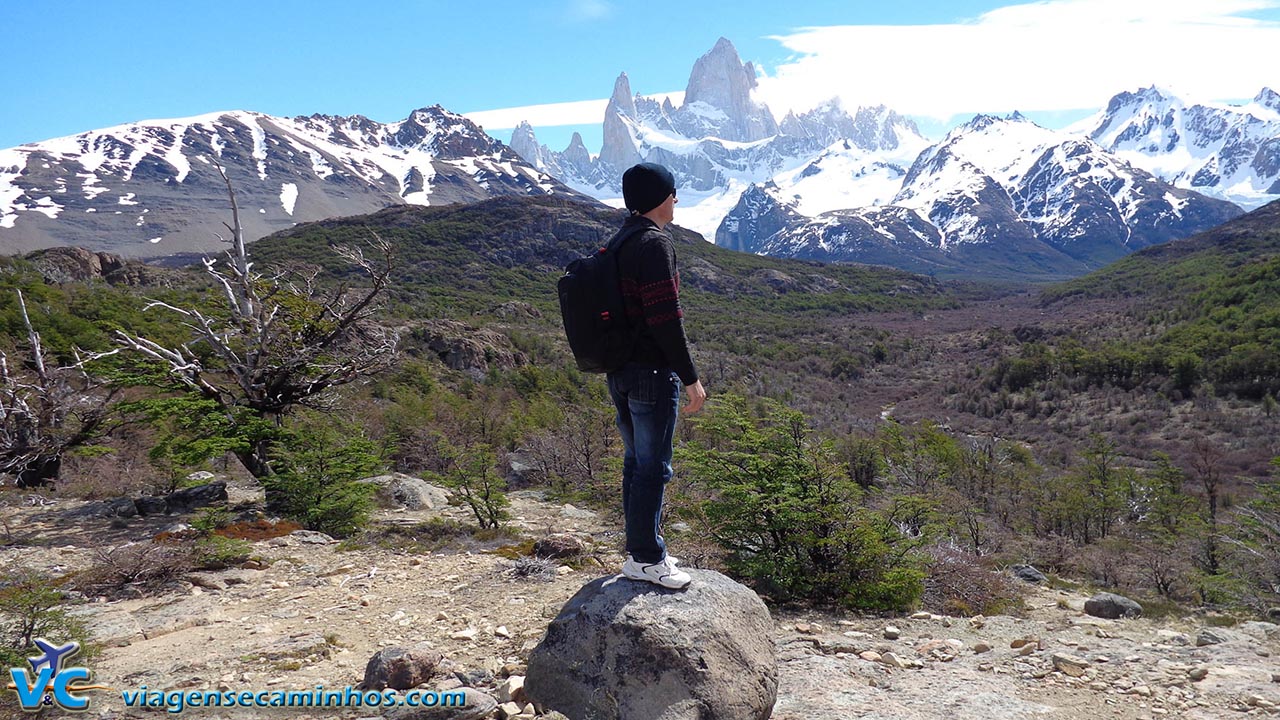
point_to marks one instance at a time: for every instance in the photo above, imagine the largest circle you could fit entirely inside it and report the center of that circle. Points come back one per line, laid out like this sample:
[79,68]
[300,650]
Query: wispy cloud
[1041,56]
[586,10]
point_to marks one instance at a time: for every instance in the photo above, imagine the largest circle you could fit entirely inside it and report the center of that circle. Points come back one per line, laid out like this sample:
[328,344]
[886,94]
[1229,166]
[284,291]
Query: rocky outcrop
[627,649]
[470,349]
[77,264]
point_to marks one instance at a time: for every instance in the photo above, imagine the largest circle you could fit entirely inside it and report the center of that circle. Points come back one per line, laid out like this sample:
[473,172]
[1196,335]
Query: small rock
[1141,690]
[804,628]
[873,656]
[502,632]
[1275,677]
[892,660]
[892,633]
[1198,674]
[1024,641]
[508,710]
[977,622]
[1027,573]
[981,647]
[922,615]
[1026,650]
[512,690]
[468,634]
[401,668]
[559,546]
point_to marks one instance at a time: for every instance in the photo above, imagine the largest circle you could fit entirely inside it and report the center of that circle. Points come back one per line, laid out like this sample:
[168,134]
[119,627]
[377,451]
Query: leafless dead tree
[47,408]
[283,340]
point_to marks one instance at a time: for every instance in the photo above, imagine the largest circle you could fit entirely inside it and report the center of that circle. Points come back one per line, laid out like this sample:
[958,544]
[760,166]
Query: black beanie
[646,186]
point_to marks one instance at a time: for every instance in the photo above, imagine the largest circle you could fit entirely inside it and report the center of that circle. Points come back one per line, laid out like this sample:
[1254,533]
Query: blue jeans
[647,400]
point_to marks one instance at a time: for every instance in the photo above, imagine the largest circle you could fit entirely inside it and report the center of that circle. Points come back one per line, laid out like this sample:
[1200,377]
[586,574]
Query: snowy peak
[718,102]
[621,101]
[1227,151]
[1268,98]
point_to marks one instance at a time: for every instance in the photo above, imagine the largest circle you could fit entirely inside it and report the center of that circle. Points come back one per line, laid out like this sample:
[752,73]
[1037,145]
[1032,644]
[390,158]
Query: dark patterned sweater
[651,292]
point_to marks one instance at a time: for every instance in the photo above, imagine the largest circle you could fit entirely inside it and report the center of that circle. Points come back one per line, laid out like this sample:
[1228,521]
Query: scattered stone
[981,647]
[872,656]
[977,622]
[714,638]
[401,668]
[1026,650]
[570,511]
[892,660]
[1275,677]
[508,710]
[476,705]
[512,690]
[502,632]
[468,634]
[1141,690]
[1198,674]
[559,546]
[1027,573]
[892,633]
[1170,637]
[1112,606]
[1211,636]
[194,498]
[835,644]
[1024,641]
[922,615]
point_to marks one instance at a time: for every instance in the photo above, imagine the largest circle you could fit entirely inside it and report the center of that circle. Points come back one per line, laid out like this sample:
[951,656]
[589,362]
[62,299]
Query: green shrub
[32,606]
[317,482]
[789,516]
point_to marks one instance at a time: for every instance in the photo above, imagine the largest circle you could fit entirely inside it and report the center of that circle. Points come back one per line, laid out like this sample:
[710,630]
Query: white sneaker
[670,558]
[664,573]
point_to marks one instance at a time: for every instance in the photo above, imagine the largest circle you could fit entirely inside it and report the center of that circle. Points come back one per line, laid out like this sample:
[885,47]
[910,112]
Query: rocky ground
[311,612]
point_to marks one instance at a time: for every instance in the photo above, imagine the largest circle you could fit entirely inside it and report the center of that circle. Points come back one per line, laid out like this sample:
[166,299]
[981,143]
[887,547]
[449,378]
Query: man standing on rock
[646,390]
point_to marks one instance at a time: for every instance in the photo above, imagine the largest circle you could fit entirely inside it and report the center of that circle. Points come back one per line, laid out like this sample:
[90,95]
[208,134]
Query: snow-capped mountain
[1001,194]
[721,140]
[151,188]
[997,194]
[1226,151]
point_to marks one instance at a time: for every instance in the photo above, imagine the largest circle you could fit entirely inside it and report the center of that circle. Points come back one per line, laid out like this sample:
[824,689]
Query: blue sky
[77,65]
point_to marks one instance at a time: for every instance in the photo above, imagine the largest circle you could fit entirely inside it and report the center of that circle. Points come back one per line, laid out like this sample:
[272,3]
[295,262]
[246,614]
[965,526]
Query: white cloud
[1042,56]
[582,112]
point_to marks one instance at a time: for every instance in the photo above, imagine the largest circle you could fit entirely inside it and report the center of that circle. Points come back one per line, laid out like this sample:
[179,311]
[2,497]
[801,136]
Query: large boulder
[194,498]
[1112,606]
[408,492]
[627,649]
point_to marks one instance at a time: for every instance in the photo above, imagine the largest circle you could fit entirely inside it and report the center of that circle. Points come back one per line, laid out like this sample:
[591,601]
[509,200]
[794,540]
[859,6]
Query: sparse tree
[276,342]
[47,408]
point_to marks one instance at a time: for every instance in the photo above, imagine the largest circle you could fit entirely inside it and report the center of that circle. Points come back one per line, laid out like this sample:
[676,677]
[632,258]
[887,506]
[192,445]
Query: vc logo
[50,681]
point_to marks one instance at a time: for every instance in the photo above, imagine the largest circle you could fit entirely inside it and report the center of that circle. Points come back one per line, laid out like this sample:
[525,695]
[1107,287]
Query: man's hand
[697,396]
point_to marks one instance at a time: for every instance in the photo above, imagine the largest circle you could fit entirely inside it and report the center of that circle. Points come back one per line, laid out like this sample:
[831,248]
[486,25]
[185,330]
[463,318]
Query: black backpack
[595,318]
